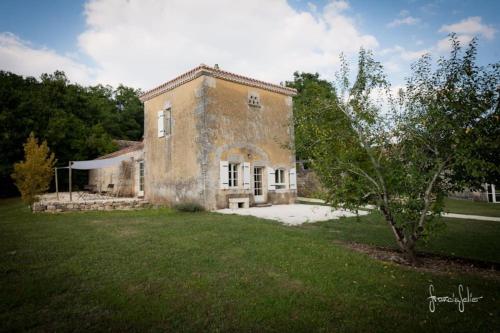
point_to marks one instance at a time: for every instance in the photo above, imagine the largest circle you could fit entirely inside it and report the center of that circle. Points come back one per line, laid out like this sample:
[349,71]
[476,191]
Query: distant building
[490,194]
[123,179]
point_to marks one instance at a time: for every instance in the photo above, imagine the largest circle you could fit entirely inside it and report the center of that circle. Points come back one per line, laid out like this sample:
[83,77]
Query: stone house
[218,139]
[125,179]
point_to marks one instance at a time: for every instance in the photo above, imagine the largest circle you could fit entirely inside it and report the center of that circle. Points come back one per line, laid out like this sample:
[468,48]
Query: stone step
[263,205]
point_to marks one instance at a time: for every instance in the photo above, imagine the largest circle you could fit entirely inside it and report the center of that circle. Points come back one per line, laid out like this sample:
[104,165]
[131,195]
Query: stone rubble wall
[308,184]
[57,207]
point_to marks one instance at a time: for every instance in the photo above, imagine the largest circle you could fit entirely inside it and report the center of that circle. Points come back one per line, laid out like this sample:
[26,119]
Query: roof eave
[223,75]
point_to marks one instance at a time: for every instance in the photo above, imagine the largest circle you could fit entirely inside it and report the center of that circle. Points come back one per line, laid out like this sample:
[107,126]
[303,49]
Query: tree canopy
[308,107]
[77,122]
[405,157]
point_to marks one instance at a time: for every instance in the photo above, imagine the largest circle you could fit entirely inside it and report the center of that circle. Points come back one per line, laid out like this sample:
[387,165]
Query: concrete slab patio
[295,214]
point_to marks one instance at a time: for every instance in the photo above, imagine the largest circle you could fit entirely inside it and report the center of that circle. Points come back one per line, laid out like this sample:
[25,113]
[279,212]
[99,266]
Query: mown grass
[161,270]
[463,238]
[472,207]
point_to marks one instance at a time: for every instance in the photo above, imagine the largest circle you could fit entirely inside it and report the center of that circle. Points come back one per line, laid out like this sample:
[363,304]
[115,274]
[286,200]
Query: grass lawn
[159,270]
[457,206]
[472,207]
[470,239]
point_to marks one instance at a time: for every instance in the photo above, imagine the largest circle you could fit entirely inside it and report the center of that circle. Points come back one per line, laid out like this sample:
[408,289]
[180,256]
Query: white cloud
[405,19]
[312,7]
[20,57]
[465,30]
[408,20]
[403,53]
[397,60]
[444,45]
[338,5]
[404,13]
[470,26]
[144,43]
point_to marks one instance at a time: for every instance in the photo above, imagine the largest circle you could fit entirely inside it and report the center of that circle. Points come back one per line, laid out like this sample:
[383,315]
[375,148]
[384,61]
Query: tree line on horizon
[78,122]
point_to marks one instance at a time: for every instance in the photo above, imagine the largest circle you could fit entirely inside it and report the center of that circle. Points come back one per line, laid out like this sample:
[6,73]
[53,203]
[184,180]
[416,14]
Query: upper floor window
[164,122]
[233,175]
[279,178]
[168,121]
[253,100]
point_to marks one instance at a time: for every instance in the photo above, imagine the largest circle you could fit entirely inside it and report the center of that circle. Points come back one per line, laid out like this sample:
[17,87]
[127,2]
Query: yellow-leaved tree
[32,176]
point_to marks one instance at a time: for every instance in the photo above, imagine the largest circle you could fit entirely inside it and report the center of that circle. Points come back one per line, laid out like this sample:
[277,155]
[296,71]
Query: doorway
[258,186]
[140,179]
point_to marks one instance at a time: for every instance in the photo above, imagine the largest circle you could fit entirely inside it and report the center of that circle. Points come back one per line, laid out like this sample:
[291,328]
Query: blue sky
[143,43]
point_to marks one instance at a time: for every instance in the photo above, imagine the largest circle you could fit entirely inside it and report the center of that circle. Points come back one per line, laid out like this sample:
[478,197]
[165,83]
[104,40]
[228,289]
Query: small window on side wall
[254,100]
[279,179]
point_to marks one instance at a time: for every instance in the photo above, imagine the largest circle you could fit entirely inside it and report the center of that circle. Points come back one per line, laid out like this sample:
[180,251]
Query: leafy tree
[406,157]
[33,175]
[308,108]
[77,122]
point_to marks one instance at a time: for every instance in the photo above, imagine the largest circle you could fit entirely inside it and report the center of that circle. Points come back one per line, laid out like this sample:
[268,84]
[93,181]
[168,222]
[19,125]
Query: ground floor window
[279,179]
[233,175]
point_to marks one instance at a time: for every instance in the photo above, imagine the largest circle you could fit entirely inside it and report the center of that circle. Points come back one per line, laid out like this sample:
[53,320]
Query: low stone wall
[308,184]
[58,206]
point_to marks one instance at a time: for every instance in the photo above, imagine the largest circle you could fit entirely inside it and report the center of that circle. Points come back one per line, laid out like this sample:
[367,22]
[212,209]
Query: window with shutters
[233,174]
[279,178]
[168,121]
[161,124]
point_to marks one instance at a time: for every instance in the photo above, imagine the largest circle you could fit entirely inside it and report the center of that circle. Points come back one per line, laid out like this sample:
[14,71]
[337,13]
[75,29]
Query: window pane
[233,174]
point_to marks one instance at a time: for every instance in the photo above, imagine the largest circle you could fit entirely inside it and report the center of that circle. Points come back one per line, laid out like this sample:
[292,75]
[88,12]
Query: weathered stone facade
[219,119]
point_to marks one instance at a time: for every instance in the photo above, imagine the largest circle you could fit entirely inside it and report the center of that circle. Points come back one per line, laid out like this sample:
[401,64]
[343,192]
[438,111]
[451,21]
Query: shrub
[33,175]
[189,207]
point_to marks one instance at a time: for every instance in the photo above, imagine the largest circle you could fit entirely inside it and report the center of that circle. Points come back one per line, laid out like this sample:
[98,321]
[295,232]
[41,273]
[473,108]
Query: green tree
[405,157]
[77,122]
[308,108]
[33,175]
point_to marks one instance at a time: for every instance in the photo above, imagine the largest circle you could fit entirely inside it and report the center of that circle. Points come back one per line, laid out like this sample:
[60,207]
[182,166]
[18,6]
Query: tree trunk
[406,245]
[410,254]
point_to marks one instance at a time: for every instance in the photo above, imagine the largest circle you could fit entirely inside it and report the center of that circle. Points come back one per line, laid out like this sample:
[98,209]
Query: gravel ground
[294,214]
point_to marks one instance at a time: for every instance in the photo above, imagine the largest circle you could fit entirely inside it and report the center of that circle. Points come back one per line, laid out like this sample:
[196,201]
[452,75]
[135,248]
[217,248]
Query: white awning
[98,164]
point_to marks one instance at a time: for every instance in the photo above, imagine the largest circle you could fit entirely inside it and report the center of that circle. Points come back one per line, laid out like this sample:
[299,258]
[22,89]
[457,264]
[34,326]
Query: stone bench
[235,203]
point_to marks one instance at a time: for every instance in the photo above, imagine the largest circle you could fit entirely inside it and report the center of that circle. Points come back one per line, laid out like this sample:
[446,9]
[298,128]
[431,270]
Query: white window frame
[233,175]
[279,179]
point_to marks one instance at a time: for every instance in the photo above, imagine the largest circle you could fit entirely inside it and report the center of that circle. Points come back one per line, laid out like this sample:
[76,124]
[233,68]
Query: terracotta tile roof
[217,73]
[138,146]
